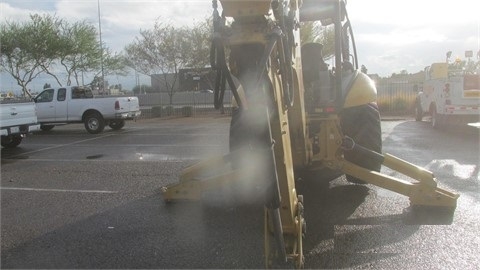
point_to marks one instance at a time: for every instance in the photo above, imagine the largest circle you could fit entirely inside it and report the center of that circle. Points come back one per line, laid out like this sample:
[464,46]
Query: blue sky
[391,36]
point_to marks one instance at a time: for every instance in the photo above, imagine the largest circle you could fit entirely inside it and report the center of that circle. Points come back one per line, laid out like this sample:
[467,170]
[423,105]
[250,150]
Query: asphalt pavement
[72,200]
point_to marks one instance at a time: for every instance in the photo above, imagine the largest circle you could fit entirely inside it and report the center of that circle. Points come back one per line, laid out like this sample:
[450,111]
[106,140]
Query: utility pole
[101,47]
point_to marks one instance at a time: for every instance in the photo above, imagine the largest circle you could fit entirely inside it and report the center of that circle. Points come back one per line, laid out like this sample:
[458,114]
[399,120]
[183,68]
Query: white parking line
[59,190]
[172,160]
[66,144]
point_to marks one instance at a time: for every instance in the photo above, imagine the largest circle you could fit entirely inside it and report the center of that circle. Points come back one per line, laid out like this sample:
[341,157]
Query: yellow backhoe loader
[294,113]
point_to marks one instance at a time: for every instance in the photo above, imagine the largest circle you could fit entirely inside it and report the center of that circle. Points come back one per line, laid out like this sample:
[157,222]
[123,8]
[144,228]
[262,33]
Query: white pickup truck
[17,119]
[77,104]
[449,95]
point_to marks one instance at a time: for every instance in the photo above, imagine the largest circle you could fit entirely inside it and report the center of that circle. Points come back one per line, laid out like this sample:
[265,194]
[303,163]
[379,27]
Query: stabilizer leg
[424,192]
[202,176]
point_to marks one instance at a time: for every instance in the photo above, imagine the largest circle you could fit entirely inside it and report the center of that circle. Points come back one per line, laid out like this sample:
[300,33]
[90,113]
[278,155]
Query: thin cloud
[408,35]
[391,36]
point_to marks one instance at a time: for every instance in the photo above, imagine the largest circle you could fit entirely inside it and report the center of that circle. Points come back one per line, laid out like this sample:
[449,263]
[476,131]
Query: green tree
[308,32]
[166,49]
[77,51]
[80,52]
[197,47]
[28,48]
[314,32]
[327,38]
[47,44]
[198,56]
[159,51]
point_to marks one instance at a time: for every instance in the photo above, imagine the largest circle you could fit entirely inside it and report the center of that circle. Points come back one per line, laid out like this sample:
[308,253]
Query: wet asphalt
[72,200]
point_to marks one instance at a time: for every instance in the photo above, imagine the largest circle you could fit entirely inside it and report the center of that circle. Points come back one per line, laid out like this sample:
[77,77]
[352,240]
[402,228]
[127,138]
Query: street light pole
[101,47]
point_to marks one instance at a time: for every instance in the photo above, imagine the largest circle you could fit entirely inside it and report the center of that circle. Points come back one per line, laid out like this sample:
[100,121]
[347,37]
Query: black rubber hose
[349,145]
[223,74]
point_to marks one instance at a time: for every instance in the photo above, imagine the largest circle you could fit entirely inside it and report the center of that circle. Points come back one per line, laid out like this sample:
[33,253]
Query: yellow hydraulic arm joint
[424,192]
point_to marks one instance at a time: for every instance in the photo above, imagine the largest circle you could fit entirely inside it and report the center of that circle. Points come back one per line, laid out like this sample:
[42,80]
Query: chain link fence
[188,104]
[396,98]
[393,99]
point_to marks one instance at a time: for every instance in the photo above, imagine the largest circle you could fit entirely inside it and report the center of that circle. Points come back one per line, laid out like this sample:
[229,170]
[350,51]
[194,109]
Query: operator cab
[317,78]
[330,90]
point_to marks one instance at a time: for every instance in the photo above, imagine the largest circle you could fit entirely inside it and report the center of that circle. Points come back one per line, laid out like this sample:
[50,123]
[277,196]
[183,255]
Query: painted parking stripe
[59,190]
[73,143]
[62,145]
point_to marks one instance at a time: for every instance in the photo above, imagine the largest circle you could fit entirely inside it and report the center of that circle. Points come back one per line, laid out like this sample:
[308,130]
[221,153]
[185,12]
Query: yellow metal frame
[293,147]
[423,191]
[362,91]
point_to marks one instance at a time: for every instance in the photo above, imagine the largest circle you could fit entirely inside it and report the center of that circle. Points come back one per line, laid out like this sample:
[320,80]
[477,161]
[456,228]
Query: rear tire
[116,124]
[94,123]
[46,127]
[363,125]
[11,141]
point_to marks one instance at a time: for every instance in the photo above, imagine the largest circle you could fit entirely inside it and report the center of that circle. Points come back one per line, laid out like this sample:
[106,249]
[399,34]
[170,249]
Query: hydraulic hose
[218,62]
[348,144]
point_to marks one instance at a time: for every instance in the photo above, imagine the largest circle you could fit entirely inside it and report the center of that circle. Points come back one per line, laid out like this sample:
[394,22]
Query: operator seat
[317,78]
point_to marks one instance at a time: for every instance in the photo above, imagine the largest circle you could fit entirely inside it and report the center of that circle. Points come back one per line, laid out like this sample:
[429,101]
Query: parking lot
[70,199]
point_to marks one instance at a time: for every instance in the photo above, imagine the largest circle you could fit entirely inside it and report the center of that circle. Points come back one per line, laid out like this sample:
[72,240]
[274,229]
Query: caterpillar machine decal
[293,113]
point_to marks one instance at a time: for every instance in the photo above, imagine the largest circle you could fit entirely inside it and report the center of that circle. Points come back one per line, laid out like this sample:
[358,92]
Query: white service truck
[449,95]
[17,119]
[77,104]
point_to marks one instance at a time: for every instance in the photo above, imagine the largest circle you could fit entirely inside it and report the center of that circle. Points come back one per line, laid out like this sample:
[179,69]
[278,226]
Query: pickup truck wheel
[94,123]
[363,125]
[116,124]
[46,127]
[11,141]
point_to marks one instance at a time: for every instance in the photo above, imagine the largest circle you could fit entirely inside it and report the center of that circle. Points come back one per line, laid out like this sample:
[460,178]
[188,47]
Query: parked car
[77,104]
[17,119]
